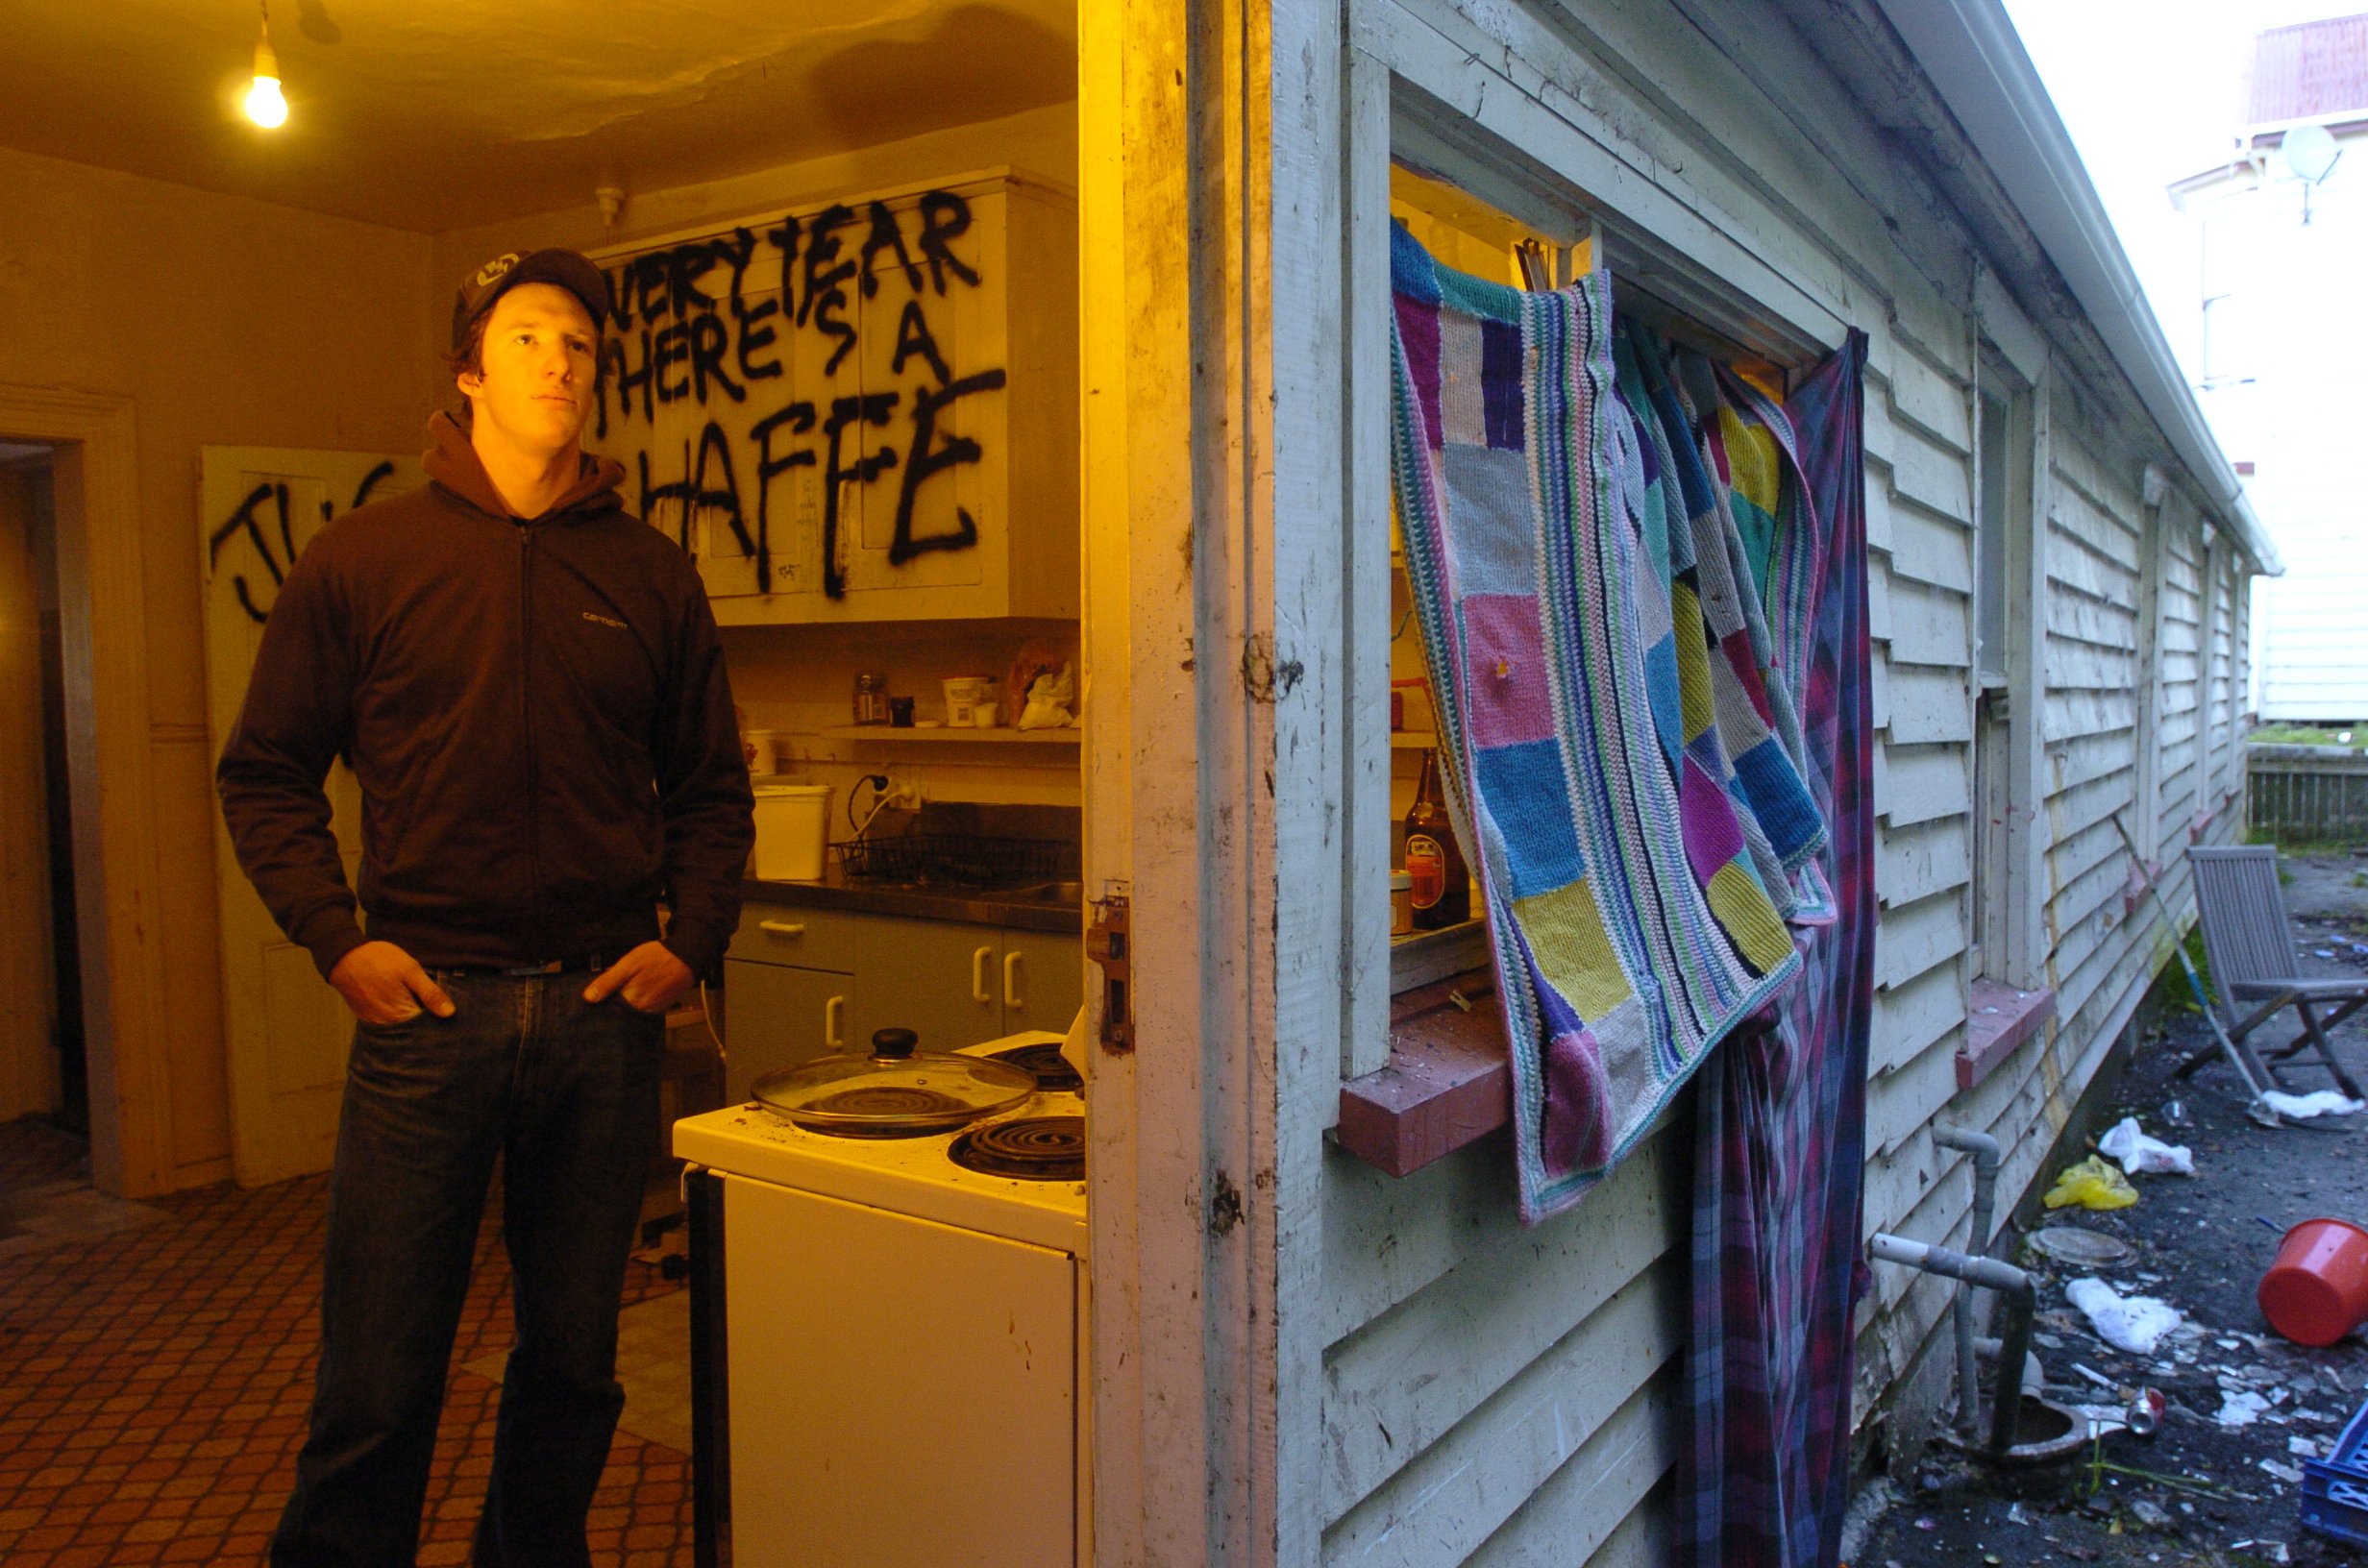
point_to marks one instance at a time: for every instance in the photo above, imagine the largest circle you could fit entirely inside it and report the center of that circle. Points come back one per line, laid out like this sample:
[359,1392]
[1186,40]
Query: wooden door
[28,1063]
[286,1033]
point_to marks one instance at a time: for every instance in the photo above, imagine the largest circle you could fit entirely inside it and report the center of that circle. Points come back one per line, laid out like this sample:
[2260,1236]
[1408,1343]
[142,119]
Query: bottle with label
[1441,886]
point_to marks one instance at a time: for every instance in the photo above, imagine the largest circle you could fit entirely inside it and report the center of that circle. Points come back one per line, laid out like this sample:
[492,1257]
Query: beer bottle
[1442,887]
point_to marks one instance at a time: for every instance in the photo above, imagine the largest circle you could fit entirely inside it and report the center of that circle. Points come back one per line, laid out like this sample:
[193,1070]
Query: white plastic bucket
[792,831]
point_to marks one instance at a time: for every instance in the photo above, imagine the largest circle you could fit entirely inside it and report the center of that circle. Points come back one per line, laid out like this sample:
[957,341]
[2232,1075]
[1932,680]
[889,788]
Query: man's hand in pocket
[383,985]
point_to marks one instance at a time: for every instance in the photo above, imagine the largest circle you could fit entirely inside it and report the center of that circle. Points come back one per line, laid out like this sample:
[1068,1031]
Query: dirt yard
[2199,1491]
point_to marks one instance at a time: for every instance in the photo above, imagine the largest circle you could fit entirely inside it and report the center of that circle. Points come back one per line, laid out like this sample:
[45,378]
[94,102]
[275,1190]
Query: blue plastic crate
[2336,1489]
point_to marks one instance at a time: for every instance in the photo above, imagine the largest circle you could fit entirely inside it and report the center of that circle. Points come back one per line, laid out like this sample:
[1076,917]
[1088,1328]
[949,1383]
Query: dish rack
[963,860]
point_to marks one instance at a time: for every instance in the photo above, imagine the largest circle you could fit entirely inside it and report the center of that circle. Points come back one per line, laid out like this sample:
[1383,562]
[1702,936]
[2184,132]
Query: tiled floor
[154,1378]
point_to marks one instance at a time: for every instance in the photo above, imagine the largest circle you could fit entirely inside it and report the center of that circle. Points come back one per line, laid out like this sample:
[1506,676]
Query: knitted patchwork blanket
[1611,750]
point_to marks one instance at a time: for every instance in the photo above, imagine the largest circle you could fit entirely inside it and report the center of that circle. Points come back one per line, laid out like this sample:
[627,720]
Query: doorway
[44,1068]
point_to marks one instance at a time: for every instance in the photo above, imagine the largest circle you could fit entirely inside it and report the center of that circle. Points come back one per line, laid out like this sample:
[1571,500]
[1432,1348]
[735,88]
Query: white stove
[888,1345]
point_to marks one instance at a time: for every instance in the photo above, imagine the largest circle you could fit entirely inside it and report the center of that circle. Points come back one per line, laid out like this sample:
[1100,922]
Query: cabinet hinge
[1105,943]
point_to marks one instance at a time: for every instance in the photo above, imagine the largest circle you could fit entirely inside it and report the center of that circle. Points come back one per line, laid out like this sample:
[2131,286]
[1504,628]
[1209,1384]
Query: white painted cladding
[1490,1394]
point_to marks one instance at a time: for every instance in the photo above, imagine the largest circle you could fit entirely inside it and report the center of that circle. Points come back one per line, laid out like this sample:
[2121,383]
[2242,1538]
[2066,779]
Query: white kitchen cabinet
[777,1015]
[937,979]
[952,983]
[1043,980]
[862,409]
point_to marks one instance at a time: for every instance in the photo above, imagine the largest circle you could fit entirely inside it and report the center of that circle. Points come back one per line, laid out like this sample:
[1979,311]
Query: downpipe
[2015,1344]
[1986,1155]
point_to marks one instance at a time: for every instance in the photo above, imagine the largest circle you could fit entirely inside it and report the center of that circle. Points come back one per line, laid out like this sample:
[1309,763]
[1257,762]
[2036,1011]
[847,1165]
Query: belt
[557,965]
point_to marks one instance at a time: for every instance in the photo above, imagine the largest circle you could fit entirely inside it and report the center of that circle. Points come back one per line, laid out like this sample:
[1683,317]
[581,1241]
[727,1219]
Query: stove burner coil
[1027,1148]
[889,1110]
[1050,1070]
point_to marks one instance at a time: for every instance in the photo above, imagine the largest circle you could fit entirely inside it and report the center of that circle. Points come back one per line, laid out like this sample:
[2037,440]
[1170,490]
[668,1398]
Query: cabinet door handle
[781,929]
[978,975]
[1011,980]
[834,1016]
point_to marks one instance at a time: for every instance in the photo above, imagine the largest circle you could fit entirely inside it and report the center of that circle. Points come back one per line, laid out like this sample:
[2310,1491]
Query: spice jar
[1401,903]
[871,697]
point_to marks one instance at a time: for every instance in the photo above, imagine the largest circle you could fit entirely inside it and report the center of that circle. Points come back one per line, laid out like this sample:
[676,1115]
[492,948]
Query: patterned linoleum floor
[155,1371]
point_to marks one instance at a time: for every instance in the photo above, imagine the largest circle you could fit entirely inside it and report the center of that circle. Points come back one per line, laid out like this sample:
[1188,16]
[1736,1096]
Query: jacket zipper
[526,731]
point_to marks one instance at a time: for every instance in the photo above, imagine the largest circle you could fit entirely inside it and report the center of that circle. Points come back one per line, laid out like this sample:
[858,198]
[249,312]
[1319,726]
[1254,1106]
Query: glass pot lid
[897,1091]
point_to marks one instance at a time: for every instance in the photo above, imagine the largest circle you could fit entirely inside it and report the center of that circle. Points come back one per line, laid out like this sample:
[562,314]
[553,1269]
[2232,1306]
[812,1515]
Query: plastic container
[792,831]
[761,748]
[2317,1291]
[2334,1501]
[962,692]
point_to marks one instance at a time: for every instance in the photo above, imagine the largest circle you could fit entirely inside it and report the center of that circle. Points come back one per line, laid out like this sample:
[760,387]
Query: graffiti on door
[260,536]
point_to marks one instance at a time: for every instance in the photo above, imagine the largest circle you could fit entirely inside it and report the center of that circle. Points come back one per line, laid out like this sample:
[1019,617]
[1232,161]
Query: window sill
[1998,1019]
[1448,1083]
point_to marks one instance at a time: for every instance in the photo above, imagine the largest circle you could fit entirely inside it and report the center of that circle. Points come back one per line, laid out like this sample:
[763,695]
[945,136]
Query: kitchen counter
[1055,907]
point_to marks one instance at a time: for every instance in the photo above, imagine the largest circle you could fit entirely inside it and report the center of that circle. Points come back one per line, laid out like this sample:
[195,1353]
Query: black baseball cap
[504,273]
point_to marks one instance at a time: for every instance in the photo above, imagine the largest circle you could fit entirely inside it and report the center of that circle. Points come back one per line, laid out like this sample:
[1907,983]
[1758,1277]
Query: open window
[1440,1079]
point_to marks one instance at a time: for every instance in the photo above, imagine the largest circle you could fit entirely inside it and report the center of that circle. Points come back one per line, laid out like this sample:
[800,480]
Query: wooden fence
[2307,794]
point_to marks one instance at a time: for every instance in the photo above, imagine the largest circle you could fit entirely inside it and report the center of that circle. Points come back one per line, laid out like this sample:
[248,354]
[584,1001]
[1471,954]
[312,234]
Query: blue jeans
[566,1093]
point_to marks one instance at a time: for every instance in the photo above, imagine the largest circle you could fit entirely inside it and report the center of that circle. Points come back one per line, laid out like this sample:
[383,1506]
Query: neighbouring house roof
[2309,71]
[1969,50]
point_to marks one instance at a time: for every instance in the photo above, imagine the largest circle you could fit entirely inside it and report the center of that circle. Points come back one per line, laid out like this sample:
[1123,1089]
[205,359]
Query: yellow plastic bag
[2092,1184]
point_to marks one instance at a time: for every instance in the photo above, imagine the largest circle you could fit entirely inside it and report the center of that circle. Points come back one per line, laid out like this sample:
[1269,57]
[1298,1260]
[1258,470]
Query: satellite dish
[2310,152]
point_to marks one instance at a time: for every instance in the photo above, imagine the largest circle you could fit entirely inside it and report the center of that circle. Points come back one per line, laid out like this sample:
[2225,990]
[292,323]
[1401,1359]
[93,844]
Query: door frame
[103,624]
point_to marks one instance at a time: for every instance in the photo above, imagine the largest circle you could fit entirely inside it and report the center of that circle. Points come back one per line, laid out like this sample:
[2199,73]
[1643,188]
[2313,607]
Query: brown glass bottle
[1442,887]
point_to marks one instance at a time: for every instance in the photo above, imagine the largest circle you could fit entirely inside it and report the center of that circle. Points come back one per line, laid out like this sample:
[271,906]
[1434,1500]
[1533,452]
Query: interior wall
[226,321]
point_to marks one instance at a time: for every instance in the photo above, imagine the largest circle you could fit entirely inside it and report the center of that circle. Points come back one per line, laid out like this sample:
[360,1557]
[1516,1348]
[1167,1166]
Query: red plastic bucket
[2317,1291]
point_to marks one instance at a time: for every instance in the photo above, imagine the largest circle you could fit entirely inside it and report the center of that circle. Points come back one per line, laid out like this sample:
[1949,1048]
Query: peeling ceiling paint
[434,114]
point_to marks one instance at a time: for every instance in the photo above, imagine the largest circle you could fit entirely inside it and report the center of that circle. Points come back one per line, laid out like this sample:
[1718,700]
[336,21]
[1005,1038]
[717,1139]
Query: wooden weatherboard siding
[1487,1393]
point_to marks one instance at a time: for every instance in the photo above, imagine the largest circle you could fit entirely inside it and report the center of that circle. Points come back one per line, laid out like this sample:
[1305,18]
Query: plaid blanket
[1781,1112]
[1609,749]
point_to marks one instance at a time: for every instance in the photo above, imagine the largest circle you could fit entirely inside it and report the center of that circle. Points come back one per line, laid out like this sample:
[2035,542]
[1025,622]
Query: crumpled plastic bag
[2092,1184]
[2135,1324]
[2323,1102]
[1050,698]
[2140,1155]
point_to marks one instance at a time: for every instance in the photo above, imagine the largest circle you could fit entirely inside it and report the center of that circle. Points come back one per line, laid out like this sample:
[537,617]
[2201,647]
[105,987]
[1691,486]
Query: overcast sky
[2149,90]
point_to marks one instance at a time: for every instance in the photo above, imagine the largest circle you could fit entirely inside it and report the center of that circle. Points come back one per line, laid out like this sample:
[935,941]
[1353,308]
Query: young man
[527,683]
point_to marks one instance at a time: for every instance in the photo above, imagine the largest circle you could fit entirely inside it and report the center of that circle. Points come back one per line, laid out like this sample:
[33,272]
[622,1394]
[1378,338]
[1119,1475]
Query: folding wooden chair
[2250,945]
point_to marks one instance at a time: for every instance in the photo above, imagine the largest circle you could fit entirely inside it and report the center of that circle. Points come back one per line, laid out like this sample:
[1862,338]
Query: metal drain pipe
[2014,1345]
[1986,1159]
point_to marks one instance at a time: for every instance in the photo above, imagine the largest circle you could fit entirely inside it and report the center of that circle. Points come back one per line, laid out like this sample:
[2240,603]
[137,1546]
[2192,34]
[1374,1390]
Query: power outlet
[905,794]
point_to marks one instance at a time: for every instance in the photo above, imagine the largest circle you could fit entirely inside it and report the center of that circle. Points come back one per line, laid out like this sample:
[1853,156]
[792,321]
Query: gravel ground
[2213,1494]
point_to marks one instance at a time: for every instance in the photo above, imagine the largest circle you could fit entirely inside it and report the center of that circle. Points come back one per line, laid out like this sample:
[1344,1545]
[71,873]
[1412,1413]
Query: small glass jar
[871,697]
[1401,905]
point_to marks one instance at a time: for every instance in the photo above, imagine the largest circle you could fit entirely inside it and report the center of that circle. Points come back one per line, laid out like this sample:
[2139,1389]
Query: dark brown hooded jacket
[538,715]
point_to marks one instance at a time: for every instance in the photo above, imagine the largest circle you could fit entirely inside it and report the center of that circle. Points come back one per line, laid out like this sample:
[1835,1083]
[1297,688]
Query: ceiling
[436,114]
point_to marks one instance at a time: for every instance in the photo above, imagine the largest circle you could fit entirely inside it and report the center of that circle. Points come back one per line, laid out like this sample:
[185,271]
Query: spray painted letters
[260,532]
[787,393]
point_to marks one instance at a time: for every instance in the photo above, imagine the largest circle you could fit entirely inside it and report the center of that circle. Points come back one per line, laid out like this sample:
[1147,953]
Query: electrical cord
[880,802]
[879,798]
[707,1016]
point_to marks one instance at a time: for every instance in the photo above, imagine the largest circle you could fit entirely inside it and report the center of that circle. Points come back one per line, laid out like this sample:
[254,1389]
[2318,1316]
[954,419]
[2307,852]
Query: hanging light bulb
[266,106]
